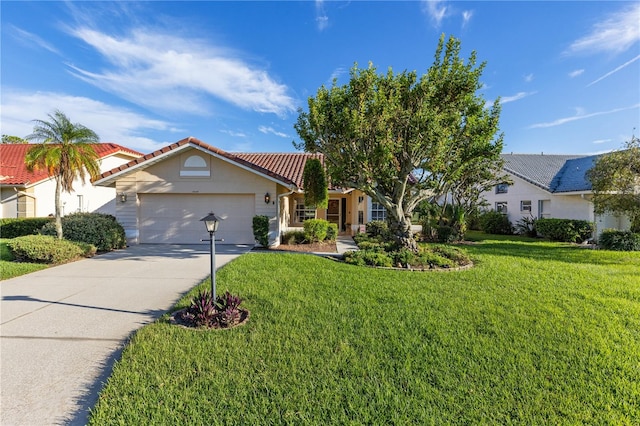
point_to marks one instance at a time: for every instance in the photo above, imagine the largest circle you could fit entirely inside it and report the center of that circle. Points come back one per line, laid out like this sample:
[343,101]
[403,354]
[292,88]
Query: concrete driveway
[62,328]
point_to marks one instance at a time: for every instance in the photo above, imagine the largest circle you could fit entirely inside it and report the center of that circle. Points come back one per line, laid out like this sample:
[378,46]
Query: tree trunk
[58,209]
[402,234]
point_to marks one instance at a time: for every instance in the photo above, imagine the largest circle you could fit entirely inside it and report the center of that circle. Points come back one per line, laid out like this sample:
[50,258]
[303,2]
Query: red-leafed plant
[204,311]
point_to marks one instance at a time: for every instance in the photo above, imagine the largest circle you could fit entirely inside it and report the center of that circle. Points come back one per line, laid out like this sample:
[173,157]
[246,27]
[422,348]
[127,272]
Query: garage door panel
[171,218]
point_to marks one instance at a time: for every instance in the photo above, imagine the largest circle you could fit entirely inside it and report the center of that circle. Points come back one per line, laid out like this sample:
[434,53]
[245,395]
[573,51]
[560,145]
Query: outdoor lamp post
[211,221]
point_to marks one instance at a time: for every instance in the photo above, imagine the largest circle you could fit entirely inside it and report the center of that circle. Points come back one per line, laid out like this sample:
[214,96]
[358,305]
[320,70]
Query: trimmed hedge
[292,237]
[47,249]
[377,228]
[332,232]
[19,227]
[611,239]
[315,230]
[261,230]
[565,230]
[101,230]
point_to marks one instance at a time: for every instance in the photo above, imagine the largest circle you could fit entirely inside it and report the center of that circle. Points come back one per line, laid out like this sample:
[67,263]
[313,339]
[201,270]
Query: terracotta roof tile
[14,172]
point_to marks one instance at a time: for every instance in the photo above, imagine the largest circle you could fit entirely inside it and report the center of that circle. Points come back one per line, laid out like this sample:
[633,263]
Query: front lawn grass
[11,269]
[535,333]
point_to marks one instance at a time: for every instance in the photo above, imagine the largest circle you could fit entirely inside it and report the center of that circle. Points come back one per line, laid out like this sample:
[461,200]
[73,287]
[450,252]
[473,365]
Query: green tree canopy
[9,139]
[401,138]
[65,151]
[316,191]
[615,179]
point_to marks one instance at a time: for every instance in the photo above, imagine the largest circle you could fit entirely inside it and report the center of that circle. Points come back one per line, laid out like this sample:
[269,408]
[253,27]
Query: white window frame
[378,212]
[302,213]
[525,206]
[501,207]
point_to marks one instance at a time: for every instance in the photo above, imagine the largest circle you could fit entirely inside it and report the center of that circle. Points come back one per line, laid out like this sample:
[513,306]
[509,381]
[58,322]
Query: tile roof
[284,167]
[554,173]
[14,172]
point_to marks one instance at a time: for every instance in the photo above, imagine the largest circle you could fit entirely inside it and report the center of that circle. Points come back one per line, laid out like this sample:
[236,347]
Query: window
[378,212]
[501,207]
[502,188]
[525,206]
[302,213]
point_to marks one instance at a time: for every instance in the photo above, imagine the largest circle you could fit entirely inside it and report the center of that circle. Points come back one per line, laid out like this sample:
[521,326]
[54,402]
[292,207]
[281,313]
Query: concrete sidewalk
[62,328]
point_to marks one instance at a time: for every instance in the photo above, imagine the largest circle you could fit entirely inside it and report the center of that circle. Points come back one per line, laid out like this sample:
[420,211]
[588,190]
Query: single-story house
[25,193]
[550,186]
[162,196]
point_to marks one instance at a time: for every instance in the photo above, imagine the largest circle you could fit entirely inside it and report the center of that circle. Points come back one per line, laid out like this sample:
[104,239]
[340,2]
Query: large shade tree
[615,179]
[65,151]
[402,139]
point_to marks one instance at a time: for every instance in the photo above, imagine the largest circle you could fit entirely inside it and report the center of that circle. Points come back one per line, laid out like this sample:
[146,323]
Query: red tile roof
[285,167]
[14,172]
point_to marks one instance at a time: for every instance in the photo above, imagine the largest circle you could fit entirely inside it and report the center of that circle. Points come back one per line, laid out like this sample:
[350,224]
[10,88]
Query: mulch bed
[323,247]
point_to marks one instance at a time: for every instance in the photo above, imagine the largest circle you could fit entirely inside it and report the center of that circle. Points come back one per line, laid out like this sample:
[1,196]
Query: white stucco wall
[563,206]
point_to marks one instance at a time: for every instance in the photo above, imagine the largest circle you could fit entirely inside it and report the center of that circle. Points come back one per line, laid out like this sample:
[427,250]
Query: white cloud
[599,141]
[336,74]
[31,39]
[576,73]
[271,130]
[163,71]
[466,17]
[112,124]
[436,10]
[626,64]
[234,134]
[516,97]
[616,34]
[580,115]
[322,20]
[528,78]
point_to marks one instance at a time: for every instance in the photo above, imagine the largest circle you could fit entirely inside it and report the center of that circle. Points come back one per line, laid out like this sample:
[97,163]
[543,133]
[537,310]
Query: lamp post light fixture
[211,221]
[267,198]
[123,197]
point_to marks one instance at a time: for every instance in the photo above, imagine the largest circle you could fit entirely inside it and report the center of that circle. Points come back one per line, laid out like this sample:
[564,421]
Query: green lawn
[10,269]
[535,333]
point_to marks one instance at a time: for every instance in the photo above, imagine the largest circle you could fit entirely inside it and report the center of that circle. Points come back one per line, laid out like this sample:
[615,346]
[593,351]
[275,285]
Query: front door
[333,212]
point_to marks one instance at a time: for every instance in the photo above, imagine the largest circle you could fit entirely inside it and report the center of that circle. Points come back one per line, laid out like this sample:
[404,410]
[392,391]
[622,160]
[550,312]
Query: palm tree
[66,152]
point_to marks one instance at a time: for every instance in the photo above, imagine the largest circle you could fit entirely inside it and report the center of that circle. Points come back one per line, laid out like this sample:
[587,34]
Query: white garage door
[175,218]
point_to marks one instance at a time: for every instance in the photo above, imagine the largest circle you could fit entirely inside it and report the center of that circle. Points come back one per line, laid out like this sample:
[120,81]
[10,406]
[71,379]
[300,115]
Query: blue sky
[233,74]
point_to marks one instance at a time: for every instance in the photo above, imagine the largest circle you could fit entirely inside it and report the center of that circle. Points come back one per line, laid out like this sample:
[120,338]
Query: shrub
[404,257]
[612,239]
[292,237]
[332,232]
[315,230]
[458,256]
[377,228]
[446,234]
[13,228]
[527,226]
[565,230]
[223,312]
[433,259]
[493,222]
[44,249]
[368,257]
[261,230]
[101,230]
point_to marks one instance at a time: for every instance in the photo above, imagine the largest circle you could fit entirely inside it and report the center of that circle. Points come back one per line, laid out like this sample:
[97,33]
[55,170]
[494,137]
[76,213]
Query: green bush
[292,237]
[44,249]
[377,228]
[368,257]
[101,230]
[332,232]
[527,226]
[433,259]
[12,228]
[315,230]
[261,230]
[612,239]
[458,256]
[493,222]
[565,230]
[447,234]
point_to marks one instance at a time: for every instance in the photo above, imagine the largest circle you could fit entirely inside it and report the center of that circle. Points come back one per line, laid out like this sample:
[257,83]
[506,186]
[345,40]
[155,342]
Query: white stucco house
[549,186]
[25,193]
[163,195]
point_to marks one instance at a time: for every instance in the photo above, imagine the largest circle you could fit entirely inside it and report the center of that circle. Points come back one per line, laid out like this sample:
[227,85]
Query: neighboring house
[549,186]
[168,191]
[32,194]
